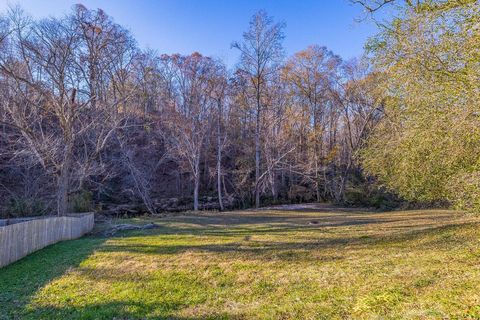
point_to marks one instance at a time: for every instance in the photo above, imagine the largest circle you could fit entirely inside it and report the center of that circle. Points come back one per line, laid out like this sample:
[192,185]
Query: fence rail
[20,239]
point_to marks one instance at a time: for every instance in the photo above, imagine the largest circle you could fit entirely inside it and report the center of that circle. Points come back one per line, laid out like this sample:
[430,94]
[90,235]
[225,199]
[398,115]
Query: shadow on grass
[122,310]
[331,219]
[265,222]
[21,280]
[248,229]
[433,237]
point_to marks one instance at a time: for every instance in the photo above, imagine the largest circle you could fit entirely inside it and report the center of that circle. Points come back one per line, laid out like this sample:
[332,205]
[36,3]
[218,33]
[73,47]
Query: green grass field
[303,264]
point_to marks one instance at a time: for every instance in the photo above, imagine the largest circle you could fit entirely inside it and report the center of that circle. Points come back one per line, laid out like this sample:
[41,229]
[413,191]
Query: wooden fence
[20,239]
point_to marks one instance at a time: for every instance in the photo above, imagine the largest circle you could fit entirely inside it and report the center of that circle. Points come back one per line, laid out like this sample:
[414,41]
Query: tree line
[89,118]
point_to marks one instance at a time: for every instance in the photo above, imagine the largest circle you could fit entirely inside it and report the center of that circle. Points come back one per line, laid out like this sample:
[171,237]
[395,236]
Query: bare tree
[310,75]
[190,118]
[261,51]
[83,110]
[360,101]
[219,94]
[49,100]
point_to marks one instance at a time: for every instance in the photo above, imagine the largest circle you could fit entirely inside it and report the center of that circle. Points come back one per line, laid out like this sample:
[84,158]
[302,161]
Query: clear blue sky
[210,26]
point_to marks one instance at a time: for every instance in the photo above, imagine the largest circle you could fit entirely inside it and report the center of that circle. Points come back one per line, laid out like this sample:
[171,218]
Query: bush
[371,195]
[24,207]
[81,202]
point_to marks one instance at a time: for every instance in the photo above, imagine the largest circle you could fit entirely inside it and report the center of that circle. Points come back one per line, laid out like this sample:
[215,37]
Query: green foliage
[427,147]
[24,207]
[81,202]
[361,193]
[465,191]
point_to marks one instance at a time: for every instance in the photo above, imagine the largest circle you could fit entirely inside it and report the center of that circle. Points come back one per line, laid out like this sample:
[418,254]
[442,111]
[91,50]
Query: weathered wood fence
[19,239]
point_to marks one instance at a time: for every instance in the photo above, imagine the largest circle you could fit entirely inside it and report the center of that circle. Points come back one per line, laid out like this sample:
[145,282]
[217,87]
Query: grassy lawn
[303,264]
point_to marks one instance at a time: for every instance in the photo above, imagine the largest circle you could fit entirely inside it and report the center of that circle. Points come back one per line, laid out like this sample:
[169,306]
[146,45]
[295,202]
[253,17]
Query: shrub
[24,207]
[81,202]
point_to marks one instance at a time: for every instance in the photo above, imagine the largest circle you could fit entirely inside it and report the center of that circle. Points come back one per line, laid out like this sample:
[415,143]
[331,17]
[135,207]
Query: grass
[304,264]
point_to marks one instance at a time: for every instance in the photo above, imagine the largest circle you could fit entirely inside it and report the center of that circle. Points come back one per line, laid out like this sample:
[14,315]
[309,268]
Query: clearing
[300,262]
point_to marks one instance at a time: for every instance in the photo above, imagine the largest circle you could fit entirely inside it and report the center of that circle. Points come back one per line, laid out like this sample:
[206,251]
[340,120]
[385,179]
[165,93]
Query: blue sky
[210,26]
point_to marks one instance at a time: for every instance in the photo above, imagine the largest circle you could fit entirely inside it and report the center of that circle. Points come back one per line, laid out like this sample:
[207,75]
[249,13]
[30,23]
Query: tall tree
[190,118]
[311,75]
[219,95]
[261,51]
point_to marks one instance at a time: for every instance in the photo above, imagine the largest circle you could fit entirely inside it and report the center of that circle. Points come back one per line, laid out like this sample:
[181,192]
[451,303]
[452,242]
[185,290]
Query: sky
[210,26]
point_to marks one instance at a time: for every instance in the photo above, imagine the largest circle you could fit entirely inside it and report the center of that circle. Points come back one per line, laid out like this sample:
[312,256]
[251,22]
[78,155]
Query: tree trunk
[316,151]
[257,147]
[196,185]
[63,184]
[273,186]
[257,162]
[219,182]
[195,194]
[219,158]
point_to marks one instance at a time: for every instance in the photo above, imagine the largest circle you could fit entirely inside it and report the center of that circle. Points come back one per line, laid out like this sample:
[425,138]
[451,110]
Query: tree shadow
[20,281]
[230,238]
[398,236]
[250,227]
[306,218]
[123,310]
[236,219]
